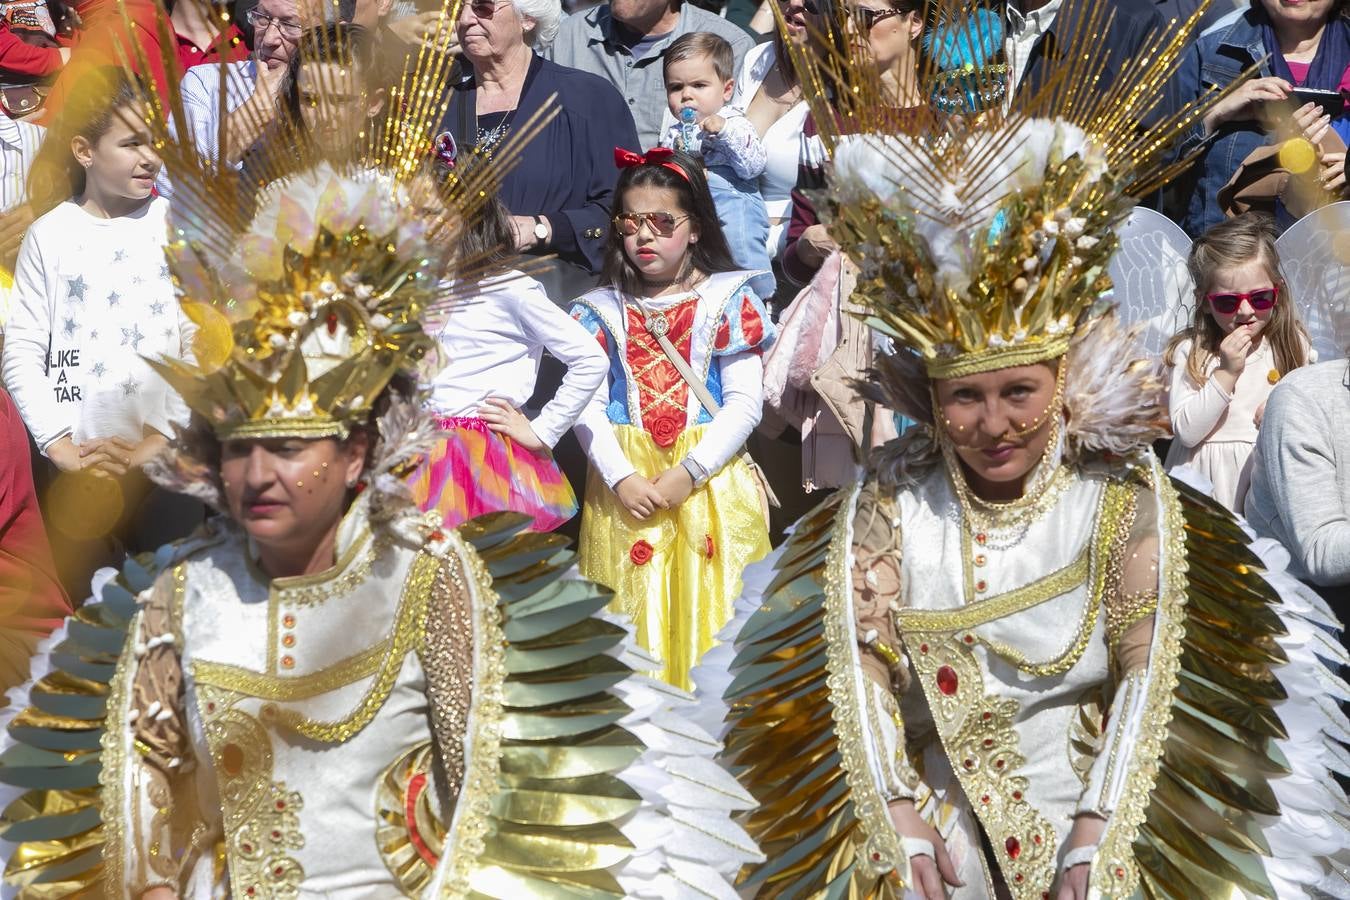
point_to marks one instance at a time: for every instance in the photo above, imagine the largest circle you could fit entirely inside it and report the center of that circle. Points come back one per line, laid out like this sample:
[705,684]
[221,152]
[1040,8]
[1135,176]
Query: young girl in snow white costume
[672,513]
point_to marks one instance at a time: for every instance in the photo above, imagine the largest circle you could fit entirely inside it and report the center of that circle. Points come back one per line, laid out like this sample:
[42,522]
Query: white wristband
[918,847]
[1078,856]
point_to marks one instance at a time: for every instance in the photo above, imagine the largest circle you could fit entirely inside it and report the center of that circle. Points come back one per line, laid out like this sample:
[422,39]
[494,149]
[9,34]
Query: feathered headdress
[983,245]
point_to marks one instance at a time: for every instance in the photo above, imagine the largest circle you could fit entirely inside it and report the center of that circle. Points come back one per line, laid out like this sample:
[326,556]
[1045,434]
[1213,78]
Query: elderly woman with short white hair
[559,192]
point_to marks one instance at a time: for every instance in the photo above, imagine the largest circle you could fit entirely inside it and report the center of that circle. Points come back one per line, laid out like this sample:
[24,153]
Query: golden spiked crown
[983,238]
[335,300]
[310,299]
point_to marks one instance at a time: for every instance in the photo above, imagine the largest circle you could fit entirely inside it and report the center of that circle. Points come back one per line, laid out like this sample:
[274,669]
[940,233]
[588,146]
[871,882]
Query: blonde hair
[1229,245]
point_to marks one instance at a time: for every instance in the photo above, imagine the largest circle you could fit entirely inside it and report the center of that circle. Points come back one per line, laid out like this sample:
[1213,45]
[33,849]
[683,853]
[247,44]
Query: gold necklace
[981,517]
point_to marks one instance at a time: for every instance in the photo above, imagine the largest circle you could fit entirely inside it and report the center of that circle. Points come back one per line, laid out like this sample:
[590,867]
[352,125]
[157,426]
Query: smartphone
[1332,102]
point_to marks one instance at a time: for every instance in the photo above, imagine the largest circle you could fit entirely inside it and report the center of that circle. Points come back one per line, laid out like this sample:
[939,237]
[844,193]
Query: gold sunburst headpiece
[309,296]
[984,240]
[334,286]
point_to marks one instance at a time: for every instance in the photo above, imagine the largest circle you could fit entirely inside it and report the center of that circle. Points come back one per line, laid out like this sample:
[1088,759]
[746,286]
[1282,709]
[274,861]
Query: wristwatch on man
[540,231]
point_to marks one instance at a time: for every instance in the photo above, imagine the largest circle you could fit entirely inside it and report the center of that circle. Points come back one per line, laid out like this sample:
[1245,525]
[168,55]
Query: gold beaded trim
[409,625]
[882,853]
[311,590]
[300,687]
[1114,871]
[1122,613]
[1001,606]
[1115,518]
[447,659]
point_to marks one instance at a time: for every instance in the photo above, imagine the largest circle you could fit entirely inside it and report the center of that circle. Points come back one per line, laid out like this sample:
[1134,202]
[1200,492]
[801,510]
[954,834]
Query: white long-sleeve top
[92,297]
[492,343]
[719,330]
[1208,412]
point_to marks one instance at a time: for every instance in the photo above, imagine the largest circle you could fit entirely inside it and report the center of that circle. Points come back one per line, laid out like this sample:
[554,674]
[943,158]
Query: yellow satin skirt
[677,574]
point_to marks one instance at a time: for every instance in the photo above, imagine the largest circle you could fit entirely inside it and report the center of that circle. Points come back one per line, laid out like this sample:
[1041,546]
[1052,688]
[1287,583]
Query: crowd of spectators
[716,83]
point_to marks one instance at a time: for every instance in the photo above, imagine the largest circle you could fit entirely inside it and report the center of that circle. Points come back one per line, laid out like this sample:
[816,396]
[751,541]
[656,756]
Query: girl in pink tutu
[494,458]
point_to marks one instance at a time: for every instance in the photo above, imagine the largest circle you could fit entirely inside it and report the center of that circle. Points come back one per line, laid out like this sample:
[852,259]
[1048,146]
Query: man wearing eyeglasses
[251,85]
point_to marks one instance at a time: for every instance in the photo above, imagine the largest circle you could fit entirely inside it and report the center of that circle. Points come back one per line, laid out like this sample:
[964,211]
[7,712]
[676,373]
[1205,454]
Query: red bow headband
[657,156]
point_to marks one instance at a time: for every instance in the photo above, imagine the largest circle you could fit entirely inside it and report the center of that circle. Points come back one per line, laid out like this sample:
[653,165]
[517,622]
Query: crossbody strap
[658,327]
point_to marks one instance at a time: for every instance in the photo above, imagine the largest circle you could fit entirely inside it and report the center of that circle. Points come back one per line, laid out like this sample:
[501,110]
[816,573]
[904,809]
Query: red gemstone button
[968,763]
[1036,838]
[1120,872]
[980,538]
[986,716]
[980,585]
[988,742]
[1017,795]
[1013,846]
[998,763]
[1018,877]
[946,680]
[984,799]
[876,857]
[923,648]
[970,639]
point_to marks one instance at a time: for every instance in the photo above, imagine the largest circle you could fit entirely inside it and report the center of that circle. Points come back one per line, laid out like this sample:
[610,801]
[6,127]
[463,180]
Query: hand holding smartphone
[1332,103]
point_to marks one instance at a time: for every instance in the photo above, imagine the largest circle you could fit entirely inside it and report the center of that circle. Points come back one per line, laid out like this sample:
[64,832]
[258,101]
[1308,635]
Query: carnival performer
[1244,336]
[493,457]
[325,692]
[673,510]
[1019,660]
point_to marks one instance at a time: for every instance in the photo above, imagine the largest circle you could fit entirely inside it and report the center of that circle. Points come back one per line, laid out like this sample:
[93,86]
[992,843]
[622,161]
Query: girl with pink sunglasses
[1244,336]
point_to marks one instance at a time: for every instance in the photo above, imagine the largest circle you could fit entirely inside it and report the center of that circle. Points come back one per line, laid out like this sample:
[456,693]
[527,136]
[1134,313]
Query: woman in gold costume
[1019,660]
[324,693]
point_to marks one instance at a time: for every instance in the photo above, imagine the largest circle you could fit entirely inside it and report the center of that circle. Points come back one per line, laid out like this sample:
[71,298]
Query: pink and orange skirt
[475,471]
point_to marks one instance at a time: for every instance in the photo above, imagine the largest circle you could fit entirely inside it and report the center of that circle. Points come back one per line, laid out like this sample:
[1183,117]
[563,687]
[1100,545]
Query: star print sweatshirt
[92,298]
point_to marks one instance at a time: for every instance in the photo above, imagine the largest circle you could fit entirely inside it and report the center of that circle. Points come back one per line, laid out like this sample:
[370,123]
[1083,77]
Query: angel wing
[1315,260]
[1150,277]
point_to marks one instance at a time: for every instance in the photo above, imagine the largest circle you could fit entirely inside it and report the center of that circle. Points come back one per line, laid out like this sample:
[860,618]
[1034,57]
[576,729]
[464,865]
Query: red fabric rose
[641,553]
[708,546]
[665,430]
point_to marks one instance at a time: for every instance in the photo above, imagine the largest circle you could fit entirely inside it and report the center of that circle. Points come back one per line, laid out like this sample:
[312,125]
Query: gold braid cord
[538,813]
[1189,823]
[792,740]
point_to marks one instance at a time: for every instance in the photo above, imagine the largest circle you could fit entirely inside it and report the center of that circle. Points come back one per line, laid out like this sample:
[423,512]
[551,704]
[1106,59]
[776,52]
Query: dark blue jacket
[1132,26]
[1217,59]
[567,172]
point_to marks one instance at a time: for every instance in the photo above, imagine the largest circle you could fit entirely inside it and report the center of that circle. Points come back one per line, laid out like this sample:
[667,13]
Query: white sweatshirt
[92,297]
[492,343]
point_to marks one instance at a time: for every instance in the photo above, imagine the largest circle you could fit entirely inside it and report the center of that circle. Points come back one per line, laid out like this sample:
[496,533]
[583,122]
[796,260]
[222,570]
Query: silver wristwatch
[697,473]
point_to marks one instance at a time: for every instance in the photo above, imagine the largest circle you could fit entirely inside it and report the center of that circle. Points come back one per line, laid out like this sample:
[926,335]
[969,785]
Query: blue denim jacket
[1217,59]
